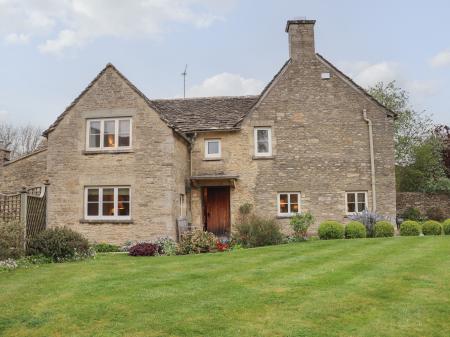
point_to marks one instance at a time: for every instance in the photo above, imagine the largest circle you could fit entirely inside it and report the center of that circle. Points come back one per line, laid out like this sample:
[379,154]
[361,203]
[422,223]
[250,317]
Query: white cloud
[441,59]
[72,23]
[14,38]
[226,84]
[367,74]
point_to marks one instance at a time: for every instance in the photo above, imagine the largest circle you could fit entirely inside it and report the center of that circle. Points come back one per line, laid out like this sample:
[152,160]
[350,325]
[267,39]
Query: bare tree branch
[20,140]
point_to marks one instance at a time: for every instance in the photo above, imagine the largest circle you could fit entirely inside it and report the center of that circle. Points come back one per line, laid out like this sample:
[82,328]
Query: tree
[20,140]
[412,127]
[419,145]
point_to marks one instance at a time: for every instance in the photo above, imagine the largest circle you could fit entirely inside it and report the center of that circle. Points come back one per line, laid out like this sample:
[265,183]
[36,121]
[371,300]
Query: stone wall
[320,146]
[423,202]
[29,171]
[149,168]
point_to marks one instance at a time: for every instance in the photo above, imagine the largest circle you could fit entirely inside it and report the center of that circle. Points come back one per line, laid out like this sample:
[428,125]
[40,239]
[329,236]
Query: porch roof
[214,180]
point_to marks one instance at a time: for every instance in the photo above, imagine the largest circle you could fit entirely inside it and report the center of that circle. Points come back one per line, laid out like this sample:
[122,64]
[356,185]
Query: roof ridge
[205,98]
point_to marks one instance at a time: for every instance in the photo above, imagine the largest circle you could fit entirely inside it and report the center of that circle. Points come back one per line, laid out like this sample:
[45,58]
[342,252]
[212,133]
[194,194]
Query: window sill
[112,221]
[212,159]
[263,157]
[285,216]
[91,152]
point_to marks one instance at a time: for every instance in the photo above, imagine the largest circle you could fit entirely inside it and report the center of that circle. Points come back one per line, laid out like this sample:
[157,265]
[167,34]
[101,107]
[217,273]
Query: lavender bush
[368,219]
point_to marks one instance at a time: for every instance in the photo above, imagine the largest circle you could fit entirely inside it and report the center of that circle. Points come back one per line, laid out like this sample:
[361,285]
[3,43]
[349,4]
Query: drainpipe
[372,161]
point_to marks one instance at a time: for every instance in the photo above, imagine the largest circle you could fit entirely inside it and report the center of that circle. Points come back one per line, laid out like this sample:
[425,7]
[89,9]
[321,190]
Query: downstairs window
[107,203]
[356,202]
[288,203]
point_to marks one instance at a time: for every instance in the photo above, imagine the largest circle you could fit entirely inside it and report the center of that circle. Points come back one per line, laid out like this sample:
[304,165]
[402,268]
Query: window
[356,202]
[212,148]
[263,142]
[108,134]
[107,203]
[288,203]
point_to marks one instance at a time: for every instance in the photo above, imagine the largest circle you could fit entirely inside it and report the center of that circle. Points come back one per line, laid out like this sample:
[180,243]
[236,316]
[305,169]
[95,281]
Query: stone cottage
[123,167]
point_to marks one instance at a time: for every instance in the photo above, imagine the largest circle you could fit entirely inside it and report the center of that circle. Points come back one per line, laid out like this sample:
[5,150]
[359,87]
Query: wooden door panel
[217,210]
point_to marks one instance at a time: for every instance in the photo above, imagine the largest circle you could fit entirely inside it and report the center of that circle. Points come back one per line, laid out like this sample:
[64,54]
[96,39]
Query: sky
[51,49]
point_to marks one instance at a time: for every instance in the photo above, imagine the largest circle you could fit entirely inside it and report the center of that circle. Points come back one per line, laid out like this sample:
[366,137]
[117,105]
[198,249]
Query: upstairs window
[263,142]
[213,149]
[107,203]
[288,203]
[108,134]
[356,202]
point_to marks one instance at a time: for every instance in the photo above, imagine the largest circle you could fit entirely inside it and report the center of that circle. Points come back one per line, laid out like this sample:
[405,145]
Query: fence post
[23,214]
[46,186]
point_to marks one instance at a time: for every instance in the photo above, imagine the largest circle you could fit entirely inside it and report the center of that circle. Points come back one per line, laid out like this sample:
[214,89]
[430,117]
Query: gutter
[372,161]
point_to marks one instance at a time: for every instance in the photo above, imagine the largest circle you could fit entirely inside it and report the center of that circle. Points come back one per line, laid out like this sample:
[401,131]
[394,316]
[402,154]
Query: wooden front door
[216,209]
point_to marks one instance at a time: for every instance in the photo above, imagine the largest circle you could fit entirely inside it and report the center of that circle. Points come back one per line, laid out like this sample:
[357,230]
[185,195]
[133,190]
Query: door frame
[204,192]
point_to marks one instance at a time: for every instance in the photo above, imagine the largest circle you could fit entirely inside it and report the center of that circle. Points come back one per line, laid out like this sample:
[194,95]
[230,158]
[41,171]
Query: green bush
[329,230]
[431,227]
[355,230]
[384,229]
[196,241]
[106,248]
[256,231]
[410,228]
[446,227]
[11,240]
[413,214]
[60,244]
[435,213]
[300,224]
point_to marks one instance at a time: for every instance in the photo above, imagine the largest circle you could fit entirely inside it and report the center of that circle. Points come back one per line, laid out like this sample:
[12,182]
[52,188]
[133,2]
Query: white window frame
[102,133]
[255,139]
[100,203]
[290,213]
[213,155]
[366,202]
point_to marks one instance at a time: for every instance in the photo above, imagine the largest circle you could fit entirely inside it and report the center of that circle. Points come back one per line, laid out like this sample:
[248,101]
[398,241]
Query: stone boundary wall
[423,201]
[29,171]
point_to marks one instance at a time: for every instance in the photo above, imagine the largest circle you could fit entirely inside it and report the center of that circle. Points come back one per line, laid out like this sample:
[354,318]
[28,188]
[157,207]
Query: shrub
[368,219]
[446,227]
[11,240]
[300,224]
[329,230]
[431,227]
[355,230]
[435,213]
[168,246]
[256,231]
[145,249]
[60,244]
[196,241]
[413,214]
[410,228]
[384,229]
[106,248]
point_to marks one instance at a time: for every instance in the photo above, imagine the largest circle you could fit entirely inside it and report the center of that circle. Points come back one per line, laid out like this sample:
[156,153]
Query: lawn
[375,287]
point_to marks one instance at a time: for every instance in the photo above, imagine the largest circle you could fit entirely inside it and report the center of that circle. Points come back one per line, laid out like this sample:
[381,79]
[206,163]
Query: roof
[132,86]
[222,113]
[206,113]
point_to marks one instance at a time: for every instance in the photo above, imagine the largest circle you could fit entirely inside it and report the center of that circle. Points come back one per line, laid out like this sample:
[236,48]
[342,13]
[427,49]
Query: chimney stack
[301,39]
[5,154]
